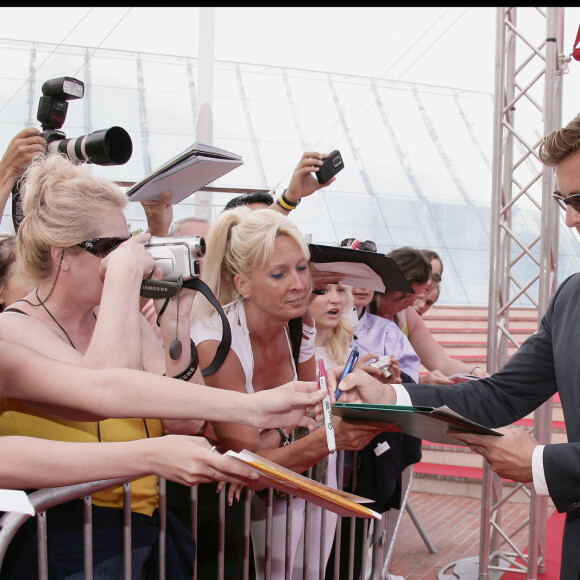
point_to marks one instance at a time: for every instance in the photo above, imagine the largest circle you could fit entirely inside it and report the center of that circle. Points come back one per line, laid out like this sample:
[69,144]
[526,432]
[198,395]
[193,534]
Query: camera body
[177,256]
[384,365]
[330,167]
[111,146]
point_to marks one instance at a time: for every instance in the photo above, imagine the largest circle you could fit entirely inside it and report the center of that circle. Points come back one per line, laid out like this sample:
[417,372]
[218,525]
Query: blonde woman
[257,266]
[85,275]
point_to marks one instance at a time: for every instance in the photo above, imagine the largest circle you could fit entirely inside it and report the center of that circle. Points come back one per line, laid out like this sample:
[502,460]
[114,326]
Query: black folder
[363,269]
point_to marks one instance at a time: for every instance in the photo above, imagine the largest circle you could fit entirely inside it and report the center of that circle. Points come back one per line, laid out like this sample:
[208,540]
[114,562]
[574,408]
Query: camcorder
[177,256]
[179,259]
[111,146]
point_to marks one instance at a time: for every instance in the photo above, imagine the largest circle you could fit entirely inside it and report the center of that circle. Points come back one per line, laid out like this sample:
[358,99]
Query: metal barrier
[377,546]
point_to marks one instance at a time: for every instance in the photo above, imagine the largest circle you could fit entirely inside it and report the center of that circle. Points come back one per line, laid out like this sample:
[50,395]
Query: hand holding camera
[132,252]
[305,179]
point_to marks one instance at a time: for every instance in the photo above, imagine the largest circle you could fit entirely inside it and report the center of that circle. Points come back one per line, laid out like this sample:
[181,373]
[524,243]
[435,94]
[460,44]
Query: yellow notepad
[340,502]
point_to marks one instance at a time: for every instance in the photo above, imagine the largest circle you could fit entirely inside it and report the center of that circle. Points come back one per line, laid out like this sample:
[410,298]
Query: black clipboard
[361,268]
[428,423]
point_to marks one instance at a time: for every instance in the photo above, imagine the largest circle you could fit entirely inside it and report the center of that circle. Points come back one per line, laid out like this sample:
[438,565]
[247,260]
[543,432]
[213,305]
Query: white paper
[15,500]
[186,173]
[356,274]
[185,179]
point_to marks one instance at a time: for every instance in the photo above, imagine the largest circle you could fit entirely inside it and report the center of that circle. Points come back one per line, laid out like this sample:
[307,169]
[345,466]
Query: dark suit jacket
[546,363]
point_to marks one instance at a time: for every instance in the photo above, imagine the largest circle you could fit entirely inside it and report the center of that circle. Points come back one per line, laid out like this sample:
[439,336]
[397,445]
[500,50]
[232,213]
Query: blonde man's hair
[62,203]
[238,241]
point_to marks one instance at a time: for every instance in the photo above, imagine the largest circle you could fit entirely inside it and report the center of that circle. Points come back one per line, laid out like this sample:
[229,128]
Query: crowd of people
[92,382]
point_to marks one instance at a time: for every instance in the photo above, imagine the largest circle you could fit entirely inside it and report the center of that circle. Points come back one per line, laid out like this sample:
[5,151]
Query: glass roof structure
[417,157]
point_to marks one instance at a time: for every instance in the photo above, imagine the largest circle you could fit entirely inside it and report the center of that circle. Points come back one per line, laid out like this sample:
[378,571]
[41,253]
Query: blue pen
[350,364]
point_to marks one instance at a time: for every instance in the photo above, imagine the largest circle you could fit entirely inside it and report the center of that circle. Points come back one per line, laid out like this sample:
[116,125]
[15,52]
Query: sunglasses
[101,247]
[367,246]
[564,202]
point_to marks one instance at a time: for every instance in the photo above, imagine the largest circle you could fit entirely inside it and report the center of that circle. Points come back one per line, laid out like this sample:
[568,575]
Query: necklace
[41,303]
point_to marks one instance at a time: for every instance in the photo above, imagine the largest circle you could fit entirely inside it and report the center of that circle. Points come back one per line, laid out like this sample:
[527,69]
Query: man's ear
[60,256]
[242,286]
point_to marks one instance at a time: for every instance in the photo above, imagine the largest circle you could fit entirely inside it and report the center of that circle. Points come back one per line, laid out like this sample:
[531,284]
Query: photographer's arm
[119,316]
[23,148]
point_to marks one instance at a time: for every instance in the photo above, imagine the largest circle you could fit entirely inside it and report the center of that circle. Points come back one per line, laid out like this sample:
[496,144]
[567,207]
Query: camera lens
[199,246]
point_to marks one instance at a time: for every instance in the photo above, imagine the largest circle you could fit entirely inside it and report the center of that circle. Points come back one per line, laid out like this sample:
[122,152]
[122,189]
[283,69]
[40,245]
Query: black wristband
[193,364]
[283,435]
[286,201]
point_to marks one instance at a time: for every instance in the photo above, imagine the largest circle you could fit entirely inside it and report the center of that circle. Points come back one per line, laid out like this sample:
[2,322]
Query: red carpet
[553,550]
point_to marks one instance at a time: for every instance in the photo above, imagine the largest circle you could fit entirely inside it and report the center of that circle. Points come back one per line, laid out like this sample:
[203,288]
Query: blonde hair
[238,241]
[62,204]
[339,339]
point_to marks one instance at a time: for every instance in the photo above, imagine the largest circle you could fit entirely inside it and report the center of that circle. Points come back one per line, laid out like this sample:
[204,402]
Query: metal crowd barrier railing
[376,553]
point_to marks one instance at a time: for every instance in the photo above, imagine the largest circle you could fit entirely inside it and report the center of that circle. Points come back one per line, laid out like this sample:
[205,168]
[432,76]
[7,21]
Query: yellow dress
[18,419]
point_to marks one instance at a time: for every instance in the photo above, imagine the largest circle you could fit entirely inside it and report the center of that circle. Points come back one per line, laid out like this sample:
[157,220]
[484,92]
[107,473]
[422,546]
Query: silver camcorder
[177,256]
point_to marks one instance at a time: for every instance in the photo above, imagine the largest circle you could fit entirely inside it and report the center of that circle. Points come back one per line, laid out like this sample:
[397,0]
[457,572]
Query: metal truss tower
[528,106]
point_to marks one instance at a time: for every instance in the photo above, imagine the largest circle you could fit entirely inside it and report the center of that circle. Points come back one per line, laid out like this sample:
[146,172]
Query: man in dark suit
[546,363]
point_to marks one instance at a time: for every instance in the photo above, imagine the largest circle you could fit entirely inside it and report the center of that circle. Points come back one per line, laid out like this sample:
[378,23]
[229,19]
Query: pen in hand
[326,406]
[348,367]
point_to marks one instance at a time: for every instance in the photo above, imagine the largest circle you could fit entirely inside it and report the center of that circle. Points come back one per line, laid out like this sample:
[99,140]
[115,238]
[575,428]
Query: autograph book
[337,501]
[361,268]
[428,423]
[186,173]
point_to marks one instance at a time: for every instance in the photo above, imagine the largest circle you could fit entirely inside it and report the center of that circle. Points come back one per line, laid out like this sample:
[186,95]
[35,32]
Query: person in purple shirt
[378,335]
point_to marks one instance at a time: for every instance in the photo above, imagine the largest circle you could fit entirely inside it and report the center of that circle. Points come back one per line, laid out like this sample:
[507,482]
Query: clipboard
[361,268]
[430,423]
[337,501]
[186,173]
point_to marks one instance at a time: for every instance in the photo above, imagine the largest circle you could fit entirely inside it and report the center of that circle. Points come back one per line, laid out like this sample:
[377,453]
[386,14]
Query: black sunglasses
[101,247]
[563,202]
[367,245]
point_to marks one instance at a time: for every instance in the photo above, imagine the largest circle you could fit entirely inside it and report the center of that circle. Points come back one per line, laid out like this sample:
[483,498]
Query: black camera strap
[166,289]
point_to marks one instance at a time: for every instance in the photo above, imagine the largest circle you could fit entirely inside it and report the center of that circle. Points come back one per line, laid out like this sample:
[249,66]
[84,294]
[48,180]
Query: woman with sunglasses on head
[86,274]
[257,266]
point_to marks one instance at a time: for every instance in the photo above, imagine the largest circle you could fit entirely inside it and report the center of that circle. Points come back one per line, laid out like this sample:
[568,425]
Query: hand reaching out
[159,214]
[192,460]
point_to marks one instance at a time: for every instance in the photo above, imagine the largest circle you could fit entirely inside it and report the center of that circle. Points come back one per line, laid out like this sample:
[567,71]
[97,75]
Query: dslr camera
[111,146]
[177,256]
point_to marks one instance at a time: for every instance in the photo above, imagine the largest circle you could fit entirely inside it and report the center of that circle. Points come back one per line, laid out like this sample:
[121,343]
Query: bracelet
[193,364]
[285,203]
[283,435]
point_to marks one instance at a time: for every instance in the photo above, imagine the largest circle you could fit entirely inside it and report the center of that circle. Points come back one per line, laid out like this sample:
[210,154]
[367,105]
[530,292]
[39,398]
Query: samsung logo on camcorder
[154,288]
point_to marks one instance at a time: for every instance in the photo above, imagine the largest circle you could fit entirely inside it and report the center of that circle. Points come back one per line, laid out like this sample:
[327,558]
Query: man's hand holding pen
[360,387]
